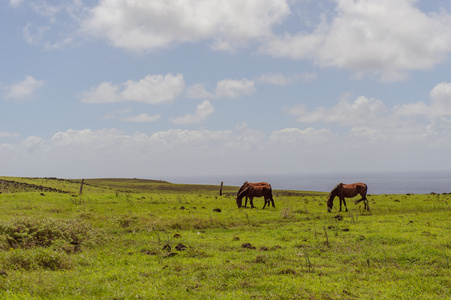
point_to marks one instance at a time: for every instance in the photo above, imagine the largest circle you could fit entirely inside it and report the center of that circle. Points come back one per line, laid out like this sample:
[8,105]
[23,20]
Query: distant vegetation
[148,239]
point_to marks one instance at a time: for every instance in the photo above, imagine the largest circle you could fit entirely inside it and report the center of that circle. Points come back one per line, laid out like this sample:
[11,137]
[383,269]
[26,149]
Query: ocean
[378,182]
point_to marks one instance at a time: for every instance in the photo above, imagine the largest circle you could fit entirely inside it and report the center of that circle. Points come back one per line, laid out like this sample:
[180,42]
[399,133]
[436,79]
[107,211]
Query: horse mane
[243,192]
[336,188]
[242,187]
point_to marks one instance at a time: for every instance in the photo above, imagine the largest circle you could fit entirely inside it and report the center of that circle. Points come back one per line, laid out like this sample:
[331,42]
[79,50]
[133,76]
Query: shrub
[45,258]
[29,233]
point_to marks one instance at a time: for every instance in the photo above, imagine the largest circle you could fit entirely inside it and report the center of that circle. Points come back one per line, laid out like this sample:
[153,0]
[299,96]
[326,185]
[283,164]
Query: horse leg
[367,203]
[344,202]
[266,201]
[251,201]
[245,203]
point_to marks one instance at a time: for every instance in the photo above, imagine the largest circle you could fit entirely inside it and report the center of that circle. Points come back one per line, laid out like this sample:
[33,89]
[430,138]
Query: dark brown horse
[343,191]
[251,190]
[247,184]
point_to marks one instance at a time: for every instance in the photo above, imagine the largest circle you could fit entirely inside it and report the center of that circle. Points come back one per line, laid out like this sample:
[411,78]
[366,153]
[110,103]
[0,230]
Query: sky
[161,88]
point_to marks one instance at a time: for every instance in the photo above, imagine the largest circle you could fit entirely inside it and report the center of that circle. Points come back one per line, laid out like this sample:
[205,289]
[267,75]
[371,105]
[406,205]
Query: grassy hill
[150,239]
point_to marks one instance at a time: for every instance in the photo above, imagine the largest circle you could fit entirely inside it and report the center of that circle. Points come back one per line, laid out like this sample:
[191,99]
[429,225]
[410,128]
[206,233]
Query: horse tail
[270,195]
[365,190]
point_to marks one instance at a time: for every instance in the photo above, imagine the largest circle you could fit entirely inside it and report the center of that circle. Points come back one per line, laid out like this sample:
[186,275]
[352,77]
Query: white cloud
[231,88]
[371,121]
[360,111]
[56,25]
[281,79]
[386,37]
[142,25]
[105,92]
[296,136]
[199,91]
[226,88]
[242,150]
[440,105]
[4,134]
[142,118]
[203,111]
[23,89]
[152,89]
[441,95]
[15,3]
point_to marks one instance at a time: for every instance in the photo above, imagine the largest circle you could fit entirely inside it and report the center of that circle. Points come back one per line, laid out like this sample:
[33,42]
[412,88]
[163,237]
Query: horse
[246,184]
[349,191]
[251,190]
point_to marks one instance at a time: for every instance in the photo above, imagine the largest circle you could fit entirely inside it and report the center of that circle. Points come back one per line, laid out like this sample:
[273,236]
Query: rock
[181,247]
[170,254]
[248,246]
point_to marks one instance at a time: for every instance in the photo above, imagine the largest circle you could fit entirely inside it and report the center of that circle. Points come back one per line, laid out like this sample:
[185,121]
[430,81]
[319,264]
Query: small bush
[45,258]
[29,233]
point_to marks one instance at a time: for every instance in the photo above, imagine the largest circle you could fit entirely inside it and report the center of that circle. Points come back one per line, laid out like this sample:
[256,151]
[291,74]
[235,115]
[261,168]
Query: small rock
[170,254]
[217,210]
[181,247]
[177,236]
[248,246]
[148,252]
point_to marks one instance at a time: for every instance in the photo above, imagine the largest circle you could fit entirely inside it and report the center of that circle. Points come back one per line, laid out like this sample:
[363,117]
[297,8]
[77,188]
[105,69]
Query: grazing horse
[251,190]
[349,191]
[247,184]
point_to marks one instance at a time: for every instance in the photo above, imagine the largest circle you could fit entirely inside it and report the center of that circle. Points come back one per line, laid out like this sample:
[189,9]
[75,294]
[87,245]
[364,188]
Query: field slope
[150,239]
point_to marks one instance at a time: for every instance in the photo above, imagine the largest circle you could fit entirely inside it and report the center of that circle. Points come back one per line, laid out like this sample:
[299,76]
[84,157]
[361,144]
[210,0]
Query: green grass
[117,246]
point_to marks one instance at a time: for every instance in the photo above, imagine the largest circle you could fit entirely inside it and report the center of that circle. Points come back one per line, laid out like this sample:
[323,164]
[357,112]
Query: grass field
[141,239]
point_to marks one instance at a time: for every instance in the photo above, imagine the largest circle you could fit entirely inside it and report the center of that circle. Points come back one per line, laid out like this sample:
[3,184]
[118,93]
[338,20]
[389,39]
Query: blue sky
[161,88]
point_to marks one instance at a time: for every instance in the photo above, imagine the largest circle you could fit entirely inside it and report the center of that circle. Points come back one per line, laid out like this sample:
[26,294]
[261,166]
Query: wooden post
[220,191]
[81,186]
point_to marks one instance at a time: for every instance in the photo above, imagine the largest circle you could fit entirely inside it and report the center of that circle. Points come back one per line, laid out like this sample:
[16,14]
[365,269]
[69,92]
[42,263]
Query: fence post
[81,186]
[220,191]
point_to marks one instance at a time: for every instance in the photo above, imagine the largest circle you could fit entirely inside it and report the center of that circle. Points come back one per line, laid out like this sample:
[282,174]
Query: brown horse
[247,184]
[251,190]
[349,191]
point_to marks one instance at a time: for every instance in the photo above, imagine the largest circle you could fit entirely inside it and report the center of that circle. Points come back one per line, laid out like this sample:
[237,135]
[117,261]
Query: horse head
[335,192]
